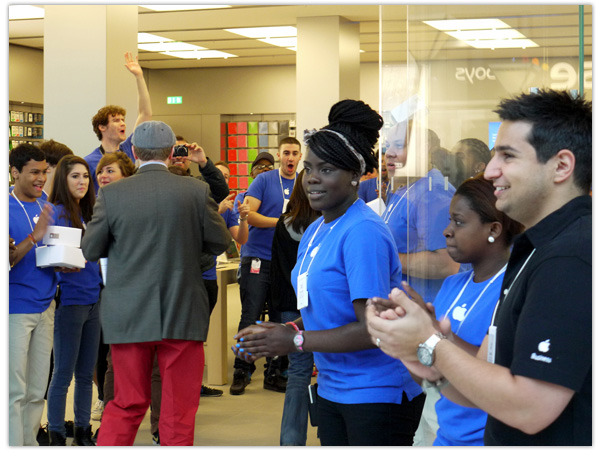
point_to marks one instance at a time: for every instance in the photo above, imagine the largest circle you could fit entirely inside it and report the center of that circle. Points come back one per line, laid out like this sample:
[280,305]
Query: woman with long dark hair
[76,322]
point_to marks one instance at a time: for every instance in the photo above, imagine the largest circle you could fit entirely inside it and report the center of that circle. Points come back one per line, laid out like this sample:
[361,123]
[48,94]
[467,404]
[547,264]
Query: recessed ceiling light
[504,33]
[502,43]
[466,24]
[200,54]
[149,38]
[281,42]
[171,46]
[182,7]
[25,12]
[265,32]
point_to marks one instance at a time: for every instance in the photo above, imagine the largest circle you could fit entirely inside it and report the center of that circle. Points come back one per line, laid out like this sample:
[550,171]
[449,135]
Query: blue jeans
[294,421]
[255,290]
[76,340]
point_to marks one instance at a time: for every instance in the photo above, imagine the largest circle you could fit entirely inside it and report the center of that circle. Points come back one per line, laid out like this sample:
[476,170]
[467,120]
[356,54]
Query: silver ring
[378,343]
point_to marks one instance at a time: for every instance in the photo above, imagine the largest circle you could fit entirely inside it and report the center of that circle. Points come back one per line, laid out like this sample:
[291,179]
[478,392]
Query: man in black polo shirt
[533,373]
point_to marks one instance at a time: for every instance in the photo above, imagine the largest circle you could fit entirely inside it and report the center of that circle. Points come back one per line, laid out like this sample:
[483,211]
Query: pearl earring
[491,239]
[354,183]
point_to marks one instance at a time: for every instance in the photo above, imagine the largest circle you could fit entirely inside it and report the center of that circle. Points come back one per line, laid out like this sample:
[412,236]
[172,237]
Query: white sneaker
[97,410]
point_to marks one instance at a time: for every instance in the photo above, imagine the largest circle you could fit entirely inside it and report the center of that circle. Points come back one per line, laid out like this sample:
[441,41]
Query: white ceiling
[553,27]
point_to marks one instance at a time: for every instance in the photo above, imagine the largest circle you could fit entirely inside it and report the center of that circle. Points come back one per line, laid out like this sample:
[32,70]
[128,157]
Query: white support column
[327,68]
[84,48]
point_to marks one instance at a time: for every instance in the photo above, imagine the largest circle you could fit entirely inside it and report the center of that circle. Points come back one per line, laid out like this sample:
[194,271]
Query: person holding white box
[77,326]
[30,297]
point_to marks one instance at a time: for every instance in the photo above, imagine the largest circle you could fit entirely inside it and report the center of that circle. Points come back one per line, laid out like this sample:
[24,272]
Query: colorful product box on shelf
[253,127]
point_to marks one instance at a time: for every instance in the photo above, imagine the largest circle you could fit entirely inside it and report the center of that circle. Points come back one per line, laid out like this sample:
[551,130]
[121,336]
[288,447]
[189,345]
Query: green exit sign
[174,99]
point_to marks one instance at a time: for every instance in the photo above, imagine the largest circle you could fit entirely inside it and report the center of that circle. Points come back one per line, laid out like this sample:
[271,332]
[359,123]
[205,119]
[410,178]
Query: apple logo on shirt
[544,346]
[459,313]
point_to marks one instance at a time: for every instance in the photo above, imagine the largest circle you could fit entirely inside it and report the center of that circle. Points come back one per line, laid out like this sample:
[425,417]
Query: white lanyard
[282,186]
[35,218]
[389,211]
[492,329]
[506,291]
[501,271]
[316,249]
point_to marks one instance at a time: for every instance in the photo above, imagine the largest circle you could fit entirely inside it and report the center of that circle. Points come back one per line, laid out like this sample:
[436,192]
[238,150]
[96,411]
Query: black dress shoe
[57,439]
[43,439]
[82,436]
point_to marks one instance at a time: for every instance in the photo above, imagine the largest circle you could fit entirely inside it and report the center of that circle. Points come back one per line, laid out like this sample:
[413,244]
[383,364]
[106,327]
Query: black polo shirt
[544,324]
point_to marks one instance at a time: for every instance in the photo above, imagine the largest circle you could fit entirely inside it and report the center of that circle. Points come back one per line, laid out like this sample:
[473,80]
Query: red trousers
[181,365]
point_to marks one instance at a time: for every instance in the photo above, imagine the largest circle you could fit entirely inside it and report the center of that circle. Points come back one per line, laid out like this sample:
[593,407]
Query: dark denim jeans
[76,340]
[255,290]
[294,421]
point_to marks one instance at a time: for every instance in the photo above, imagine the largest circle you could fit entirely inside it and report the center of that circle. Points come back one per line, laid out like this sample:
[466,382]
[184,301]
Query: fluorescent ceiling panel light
[466,24]
[200,54]
[281,42]
[25,12]
[502,43]
[169,47]
[264,32]
[149,38]
[182,7]
[469,35]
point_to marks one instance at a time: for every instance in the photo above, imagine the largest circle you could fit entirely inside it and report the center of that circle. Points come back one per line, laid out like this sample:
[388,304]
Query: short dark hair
[102,117]
[54,151]
[476,148]
[180,138]
[22,154]
[480,194]
[559,121]
[290,140]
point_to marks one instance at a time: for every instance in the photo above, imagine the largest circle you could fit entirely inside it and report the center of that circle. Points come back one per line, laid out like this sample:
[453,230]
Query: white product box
[59,255]
[65,236]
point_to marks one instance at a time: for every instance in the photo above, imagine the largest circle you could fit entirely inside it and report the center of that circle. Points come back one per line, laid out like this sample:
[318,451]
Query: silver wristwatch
[426,350]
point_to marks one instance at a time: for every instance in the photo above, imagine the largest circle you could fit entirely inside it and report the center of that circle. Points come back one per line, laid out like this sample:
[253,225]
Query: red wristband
[293,325]
[32,239]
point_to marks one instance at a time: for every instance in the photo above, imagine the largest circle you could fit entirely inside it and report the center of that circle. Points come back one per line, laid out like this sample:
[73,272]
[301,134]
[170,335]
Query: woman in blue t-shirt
[347,256]
[76,322]
[481,235]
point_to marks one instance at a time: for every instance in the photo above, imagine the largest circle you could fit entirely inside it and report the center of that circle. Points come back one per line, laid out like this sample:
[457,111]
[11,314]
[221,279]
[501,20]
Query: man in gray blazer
[153,227]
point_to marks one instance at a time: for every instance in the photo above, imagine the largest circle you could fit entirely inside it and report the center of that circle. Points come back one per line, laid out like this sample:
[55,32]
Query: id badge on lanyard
[302,291]
[283,210]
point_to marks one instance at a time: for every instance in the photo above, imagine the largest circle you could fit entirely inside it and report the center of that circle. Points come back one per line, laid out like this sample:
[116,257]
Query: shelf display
[25,125]
[241,142]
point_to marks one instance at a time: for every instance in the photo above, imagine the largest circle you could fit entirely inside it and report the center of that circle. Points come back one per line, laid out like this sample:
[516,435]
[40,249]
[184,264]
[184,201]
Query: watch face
[425,355]
[298,340]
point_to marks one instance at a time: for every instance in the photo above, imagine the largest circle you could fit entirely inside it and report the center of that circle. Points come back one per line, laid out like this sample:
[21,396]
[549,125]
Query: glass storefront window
[443,70]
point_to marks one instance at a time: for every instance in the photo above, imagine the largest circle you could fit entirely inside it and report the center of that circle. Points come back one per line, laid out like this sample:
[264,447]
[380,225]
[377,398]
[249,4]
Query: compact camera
[180,150]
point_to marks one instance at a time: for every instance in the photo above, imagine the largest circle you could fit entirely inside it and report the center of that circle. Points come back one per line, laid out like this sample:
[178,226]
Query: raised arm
[145,112]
